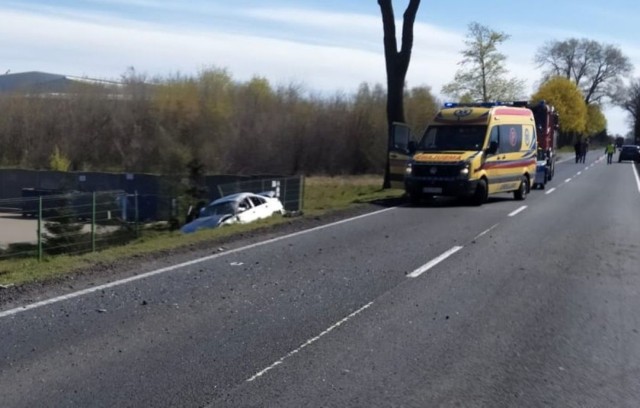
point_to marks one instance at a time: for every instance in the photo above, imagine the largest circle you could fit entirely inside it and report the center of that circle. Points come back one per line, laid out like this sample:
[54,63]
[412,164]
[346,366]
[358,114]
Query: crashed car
[240,208]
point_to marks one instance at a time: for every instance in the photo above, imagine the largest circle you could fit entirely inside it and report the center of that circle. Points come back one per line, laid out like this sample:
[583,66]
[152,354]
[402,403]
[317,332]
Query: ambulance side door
[400,152]
[492,160]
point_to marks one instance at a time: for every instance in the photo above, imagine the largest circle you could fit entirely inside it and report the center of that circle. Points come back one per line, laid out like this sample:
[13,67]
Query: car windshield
[218,209]
[457,137]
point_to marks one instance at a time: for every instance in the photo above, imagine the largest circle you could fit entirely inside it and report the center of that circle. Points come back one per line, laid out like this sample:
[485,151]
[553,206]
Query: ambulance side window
[494,139]
[510,138]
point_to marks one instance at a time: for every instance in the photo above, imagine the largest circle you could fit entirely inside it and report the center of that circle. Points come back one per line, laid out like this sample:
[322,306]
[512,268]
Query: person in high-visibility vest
[609,150]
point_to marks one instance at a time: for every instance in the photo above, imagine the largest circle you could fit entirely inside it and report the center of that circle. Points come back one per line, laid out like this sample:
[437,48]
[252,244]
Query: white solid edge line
[433,262]
[635,173]
[309,342]
[518,211]
[83,292]
[551,190]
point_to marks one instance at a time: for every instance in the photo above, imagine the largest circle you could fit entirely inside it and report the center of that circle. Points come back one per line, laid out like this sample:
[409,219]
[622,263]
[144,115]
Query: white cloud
[325,51]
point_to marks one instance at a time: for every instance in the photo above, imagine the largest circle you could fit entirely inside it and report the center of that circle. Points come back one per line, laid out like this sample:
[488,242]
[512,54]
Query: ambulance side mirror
[493,148]
[412,147]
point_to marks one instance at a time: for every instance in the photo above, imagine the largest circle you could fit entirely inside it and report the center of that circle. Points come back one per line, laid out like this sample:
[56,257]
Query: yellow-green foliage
[568,100]
[596,121]
[420,107]
[58,161]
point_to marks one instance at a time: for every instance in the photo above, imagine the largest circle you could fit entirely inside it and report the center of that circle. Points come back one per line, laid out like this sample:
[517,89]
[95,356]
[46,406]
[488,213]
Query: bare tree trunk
[397,63]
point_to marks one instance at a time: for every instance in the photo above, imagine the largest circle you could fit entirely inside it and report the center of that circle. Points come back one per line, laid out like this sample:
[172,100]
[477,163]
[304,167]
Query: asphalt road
[444,305]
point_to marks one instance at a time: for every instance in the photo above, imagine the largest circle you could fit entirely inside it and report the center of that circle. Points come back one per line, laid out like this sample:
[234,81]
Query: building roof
[33,82]
[41,82]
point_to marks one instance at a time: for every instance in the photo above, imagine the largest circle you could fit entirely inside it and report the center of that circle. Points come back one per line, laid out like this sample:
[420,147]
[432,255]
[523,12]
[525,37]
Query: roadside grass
[321,195]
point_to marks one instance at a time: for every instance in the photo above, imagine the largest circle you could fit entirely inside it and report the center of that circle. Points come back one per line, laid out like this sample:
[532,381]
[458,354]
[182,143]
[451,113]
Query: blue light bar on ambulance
[472,104]
[484,104]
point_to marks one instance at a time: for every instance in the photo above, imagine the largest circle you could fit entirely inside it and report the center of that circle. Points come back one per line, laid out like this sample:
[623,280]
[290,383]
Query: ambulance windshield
[453,137]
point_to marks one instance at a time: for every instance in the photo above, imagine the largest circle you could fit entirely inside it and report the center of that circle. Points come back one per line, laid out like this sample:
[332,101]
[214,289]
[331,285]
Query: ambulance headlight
[408,169]
[464,171]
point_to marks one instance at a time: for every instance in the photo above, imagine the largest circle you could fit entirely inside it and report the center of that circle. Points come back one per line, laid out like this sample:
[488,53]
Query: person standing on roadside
[578,148]
[609,150]
[584,148]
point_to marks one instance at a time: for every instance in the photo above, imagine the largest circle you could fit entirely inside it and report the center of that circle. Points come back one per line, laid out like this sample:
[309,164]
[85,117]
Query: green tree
[482,76]
[63,229]
[421,107]
[58,161]
[569,101]
[596,121]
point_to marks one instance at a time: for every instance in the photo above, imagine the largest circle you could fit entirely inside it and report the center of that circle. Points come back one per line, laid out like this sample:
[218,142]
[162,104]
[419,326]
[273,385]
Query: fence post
[301,199]
[137,213]
[93,222]
[40,228]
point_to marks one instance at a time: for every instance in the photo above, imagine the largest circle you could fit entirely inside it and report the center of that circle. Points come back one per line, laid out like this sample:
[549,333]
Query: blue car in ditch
[240,208]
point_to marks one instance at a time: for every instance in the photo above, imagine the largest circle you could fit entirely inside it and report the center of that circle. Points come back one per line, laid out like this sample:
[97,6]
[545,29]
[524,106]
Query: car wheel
[521,192]
[481,193]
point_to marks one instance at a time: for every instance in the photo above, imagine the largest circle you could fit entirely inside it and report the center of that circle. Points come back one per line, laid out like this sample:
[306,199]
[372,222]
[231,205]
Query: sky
[323,46]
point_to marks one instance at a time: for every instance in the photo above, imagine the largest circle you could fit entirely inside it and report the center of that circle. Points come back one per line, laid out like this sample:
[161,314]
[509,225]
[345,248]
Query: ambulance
[470,151]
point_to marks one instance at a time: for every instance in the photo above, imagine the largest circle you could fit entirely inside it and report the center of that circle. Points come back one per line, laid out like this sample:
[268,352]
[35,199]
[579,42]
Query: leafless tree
[596,68]
[397,62]
[631,104]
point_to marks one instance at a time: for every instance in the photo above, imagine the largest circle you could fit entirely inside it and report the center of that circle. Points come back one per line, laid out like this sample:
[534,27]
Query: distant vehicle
[629,152]
[542,170]
[240,208]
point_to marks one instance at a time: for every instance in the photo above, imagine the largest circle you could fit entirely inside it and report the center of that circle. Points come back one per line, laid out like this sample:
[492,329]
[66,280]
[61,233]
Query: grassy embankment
[322,195]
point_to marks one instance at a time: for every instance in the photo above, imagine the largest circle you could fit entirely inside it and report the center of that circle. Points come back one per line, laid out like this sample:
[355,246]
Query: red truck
[547,128]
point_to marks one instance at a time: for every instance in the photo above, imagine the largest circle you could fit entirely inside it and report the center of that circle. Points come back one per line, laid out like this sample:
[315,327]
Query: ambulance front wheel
[523,189]
[481,193]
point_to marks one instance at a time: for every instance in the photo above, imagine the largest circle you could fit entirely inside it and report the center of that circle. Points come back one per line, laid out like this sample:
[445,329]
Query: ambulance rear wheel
[521,192]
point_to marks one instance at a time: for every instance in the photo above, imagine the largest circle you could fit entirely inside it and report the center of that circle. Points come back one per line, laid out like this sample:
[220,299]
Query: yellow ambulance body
[473,151]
